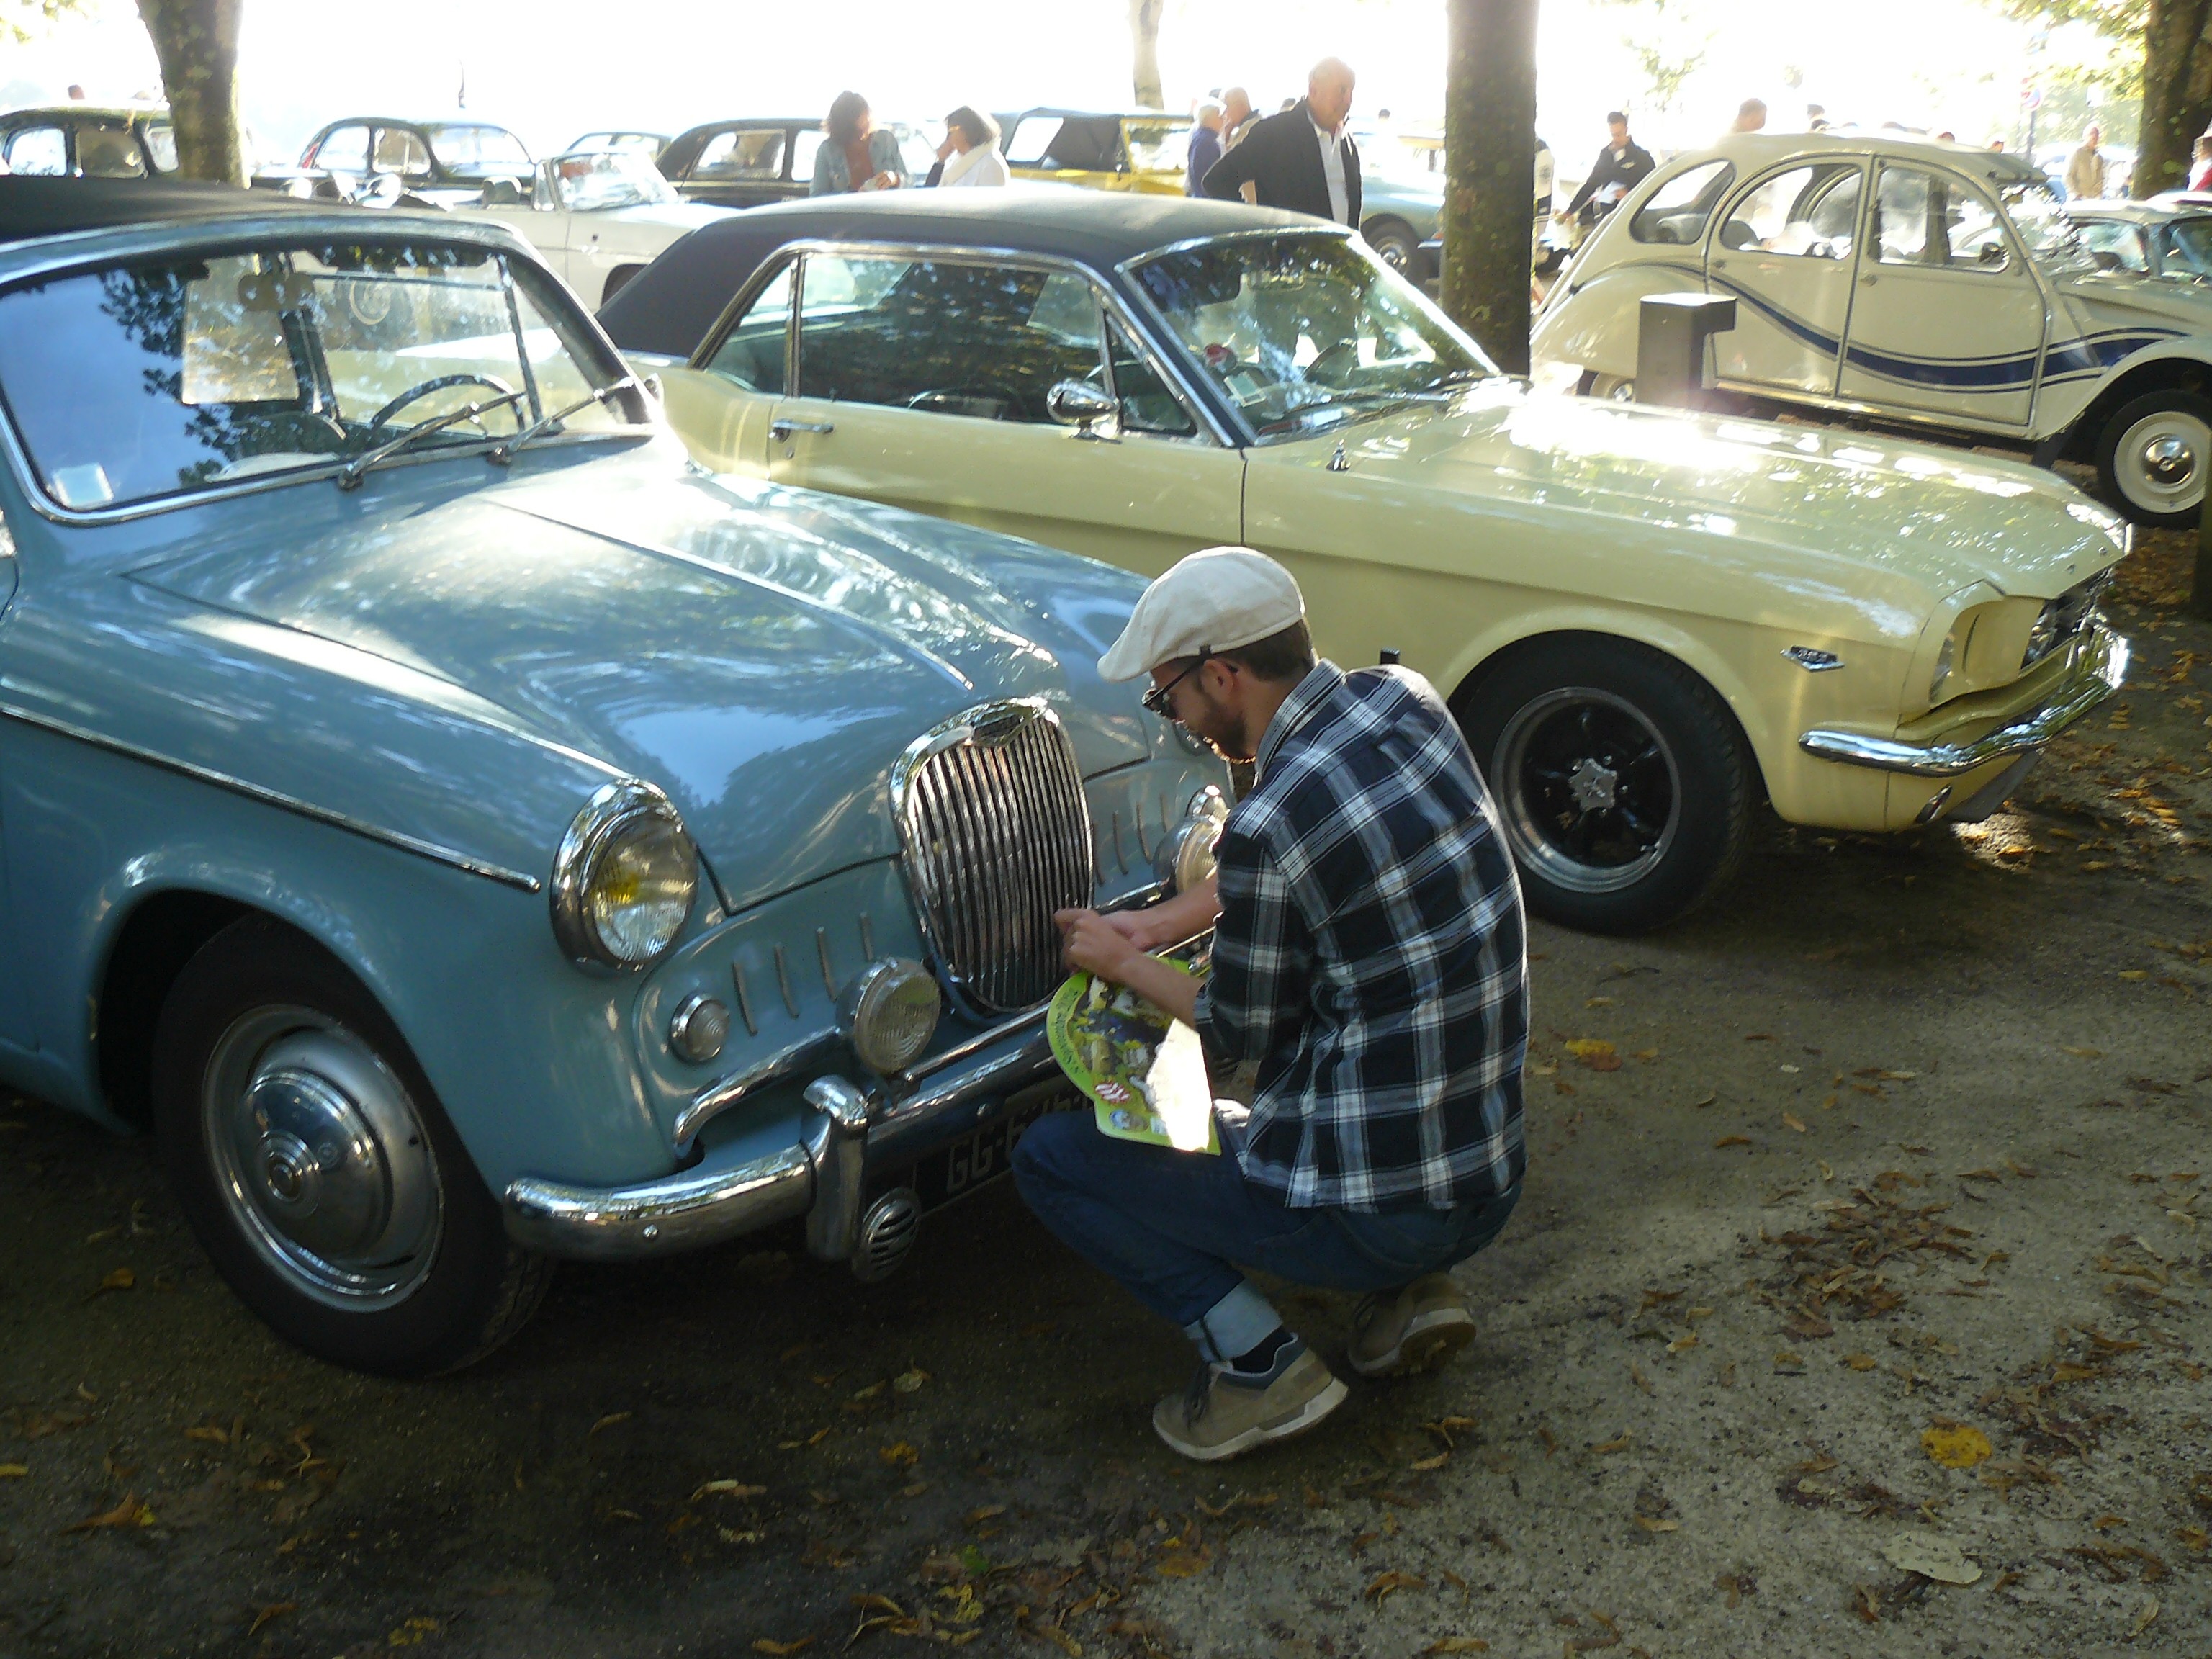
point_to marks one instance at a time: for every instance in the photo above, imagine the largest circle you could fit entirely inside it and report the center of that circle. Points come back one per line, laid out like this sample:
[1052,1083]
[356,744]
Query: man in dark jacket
[1621,165]
[1303,158]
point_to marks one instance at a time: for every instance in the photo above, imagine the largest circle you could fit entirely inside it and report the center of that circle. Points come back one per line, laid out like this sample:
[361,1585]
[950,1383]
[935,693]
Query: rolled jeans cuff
[1237,1324]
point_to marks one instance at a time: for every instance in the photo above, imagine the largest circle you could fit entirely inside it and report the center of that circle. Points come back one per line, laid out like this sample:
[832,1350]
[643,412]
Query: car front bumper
[2099,665]
[819,1177]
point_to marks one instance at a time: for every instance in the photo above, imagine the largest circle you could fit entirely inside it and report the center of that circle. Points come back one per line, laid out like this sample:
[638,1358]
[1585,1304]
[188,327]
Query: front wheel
[2152,455]
[314,1164]
[1395,243]
[1622,781]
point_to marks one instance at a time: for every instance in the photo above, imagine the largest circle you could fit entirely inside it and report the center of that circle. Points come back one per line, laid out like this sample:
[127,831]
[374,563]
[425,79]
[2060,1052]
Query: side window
[753,354]
[398,150]
[161,146]
[1924,218]
[1974,234]
[804,143]
[1027,145]
[40,152]
[1677,211]
[346,150]
[1806,212]
[744,154]
[1147,405]
[2115,246]
[106,152]
[985,341]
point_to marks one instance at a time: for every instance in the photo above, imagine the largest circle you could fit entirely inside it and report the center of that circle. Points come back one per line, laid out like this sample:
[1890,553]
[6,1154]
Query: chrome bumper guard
[2099,667]
[821,1178]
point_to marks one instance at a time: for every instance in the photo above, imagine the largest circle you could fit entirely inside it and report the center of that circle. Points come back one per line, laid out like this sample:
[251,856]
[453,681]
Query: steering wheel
[376,421]
[1340,358]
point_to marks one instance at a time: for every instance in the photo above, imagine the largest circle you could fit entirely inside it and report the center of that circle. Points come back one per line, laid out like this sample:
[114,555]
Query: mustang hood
[1908,522]
[762,655]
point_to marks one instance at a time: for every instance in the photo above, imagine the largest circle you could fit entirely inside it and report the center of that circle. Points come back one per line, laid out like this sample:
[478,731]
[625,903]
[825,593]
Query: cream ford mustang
[1645,620]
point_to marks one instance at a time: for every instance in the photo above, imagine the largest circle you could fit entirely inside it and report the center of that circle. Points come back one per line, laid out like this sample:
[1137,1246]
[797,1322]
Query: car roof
[32,208]
[103,111]
[412,121]
[1757,150]
[669,306]
[1097,114]
[752,121]
[2142,213]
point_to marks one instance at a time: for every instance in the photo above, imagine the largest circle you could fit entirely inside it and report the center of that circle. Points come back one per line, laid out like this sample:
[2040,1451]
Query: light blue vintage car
[468,834]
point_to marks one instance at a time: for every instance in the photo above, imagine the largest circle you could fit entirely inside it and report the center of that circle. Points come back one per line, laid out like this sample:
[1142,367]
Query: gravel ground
[1864,1229]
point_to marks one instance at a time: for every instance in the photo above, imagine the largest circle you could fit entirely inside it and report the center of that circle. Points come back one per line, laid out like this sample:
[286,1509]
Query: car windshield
[2189,249]
[1158,146]
[465,144]
[610,179]
[157,377]
[2049,237]
[1307,332]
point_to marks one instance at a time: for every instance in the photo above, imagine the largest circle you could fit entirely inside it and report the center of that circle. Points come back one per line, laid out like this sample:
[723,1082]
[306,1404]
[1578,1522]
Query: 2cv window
[1809,212]
[1678,209]
[1924,218]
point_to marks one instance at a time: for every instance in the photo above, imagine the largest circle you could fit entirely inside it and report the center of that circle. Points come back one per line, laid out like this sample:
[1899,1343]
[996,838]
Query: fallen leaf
[608,1422]
[1932,1556]
[764,1645]
[1598,1002]
[273,1610]
[1386,1582]
[1687,1340]
[988,1512]
[1731,1140]
[2146,1619]
[13,1471]
[910,1382]
[1457,1644]
[129,1513]
[1436,1462]
[1955,1445]
[1635,1375]
[1594,1053]
[2082,1053]
[1622,1445]
[1182,1565]
[899,1454]
[1793,1122]
[1652,1524]
[121,1279]
[727,1489]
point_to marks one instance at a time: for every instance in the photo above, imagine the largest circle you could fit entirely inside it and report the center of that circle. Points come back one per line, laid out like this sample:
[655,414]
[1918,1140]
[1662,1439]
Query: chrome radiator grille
[997,837]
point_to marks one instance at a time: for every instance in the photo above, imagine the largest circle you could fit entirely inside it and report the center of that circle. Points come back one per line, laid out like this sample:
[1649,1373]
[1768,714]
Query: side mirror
[1992,253]
[1080,404]
[654,389]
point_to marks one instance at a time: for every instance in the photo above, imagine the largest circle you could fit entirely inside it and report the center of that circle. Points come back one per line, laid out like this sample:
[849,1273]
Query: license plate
[982,1157]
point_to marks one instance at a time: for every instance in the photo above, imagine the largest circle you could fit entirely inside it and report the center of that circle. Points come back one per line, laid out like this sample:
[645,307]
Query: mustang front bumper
[820,1177]
[2099,665]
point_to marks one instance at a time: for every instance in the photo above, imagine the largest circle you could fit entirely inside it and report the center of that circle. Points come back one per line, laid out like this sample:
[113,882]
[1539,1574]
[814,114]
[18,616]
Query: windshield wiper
[505,453]
[349,476]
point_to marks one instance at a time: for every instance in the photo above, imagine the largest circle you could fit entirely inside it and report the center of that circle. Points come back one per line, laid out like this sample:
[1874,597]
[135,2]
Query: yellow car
[1140,150]
[1646,620]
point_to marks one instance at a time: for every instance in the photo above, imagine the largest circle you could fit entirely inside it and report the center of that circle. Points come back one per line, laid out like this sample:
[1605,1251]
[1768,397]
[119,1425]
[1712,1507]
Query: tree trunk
[197,41]
[1145,37]
[1490,162]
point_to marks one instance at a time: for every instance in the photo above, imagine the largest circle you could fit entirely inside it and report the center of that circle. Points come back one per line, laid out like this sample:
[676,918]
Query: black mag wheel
[1622,781]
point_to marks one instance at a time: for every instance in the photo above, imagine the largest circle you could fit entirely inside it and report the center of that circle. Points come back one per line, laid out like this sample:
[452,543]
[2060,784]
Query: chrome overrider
[2099,665]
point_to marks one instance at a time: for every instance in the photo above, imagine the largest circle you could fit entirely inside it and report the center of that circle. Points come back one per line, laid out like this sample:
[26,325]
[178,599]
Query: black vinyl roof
[31,208]
[669,306]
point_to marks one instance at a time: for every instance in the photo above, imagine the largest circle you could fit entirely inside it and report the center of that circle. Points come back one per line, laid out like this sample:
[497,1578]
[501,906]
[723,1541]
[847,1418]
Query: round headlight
[1185,856]
[889,1013]
[624,878]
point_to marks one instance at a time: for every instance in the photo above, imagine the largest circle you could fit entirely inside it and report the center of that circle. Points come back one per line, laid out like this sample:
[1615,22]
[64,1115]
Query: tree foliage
[26,20]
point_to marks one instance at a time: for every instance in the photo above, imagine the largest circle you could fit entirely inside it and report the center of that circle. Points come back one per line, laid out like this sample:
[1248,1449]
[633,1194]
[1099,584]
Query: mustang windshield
[611,179]
[154,378]
[1306,332]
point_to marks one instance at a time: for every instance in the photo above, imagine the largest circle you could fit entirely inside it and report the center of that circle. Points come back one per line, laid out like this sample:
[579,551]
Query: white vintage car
[597,217]
[1933,286]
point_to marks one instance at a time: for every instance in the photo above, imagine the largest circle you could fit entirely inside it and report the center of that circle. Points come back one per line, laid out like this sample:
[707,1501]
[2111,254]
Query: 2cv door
[1786,249]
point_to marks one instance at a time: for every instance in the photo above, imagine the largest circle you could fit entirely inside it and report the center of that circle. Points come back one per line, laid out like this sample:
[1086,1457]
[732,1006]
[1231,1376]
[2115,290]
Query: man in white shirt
[1303,158]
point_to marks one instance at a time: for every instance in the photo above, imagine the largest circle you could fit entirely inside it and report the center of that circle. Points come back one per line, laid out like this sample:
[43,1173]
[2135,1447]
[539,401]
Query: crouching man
[1368,956]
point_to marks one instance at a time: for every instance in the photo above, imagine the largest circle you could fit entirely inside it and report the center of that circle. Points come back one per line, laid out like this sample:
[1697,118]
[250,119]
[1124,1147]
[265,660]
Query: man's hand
[1104,945]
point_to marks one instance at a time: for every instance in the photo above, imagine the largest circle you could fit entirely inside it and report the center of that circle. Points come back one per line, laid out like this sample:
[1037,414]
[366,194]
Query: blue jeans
[1171,1226]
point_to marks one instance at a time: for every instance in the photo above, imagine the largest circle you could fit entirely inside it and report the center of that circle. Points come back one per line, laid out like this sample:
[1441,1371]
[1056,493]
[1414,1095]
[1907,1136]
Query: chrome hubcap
[1591,792]
[321,1158]
[2160,463]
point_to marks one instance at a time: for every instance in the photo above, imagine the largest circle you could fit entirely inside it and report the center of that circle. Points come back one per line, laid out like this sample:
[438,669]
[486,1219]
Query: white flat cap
[1215,599]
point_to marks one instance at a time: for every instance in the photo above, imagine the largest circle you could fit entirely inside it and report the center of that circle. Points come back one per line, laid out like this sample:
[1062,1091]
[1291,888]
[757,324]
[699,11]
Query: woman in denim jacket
[859,155]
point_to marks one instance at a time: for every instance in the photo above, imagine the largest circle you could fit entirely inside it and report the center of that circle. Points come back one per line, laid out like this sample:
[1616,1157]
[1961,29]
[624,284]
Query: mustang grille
[997,837]
[2063,617]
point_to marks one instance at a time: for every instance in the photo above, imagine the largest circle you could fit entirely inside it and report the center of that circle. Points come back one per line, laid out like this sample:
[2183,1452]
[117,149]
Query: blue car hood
[762,655]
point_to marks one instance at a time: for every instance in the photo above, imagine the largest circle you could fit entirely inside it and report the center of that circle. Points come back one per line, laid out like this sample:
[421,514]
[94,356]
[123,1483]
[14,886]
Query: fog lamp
[1185,859]
[888,1013]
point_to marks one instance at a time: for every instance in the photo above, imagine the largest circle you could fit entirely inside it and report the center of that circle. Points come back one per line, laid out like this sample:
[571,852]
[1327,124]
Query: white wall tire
[2152,456]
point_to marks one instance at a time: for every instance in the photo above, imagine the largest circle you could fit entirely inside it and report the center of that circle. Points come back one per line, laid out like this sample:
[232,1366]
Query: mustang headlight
[1944,660]
[889,1013]
[624,878]
[1185,855]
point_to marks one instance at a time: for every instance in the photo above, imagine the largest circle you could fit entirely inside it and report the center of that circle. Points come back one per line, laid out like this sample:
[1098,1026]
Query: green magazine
[1144,1070]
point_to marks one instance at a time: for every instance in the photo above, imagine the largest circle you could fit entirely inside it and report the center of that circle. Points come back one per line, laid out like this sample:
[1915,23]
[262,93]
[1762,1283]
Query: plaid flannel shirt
[1370,954]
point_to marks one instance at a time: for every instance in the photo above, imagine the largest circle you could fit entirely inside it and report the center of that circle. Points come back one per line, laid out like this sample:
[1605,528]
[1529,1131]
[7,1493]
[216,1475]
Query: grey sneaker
[1411,1329]
[1224,1412]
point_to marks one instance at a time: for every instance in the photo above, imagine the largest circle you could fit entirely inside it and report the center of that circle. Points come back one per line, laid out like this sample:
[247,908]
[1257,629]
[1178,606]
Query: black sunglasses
[1157,698]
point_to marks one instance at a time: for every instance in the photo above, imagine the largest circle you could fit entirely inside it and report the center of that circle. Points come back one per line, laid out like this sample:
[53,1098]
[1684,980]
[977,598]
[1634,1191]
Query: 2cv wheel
[314,1163]
[1622,781]
[2153,455]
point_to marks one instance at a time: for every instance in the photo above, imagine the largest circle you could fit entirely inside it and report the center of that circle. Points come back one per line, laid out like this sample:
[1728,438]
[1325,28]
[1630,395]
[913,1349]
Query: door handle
[1869,282]
[781,430]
